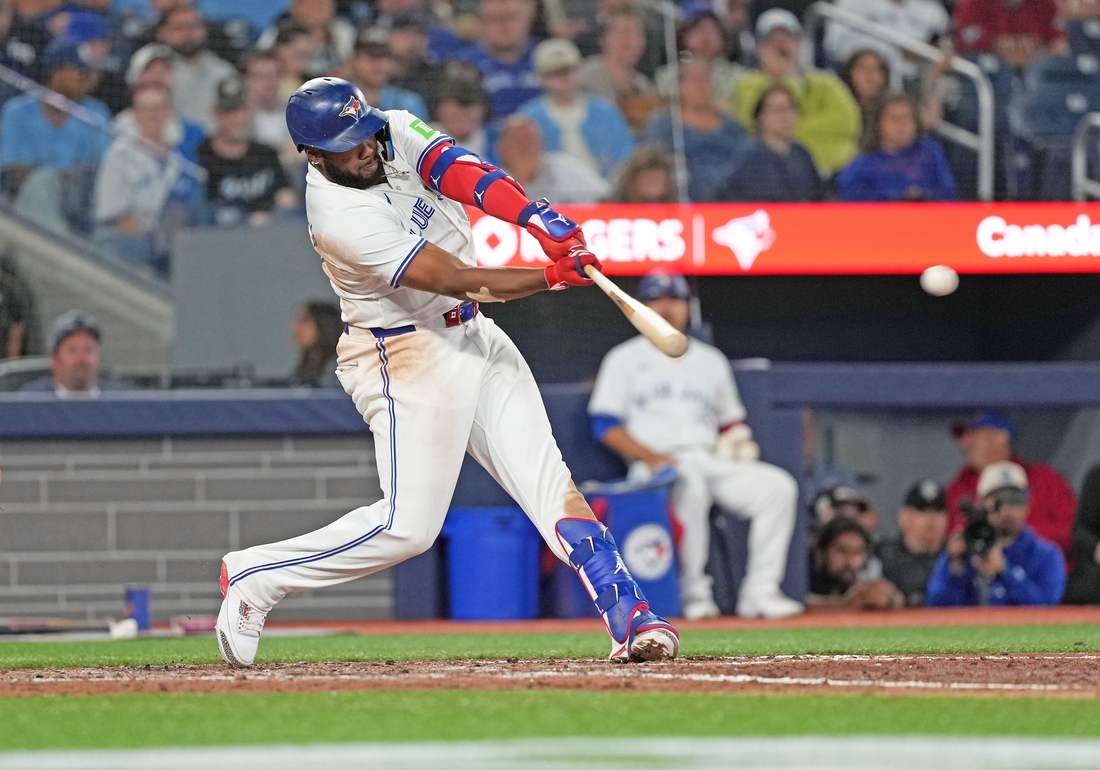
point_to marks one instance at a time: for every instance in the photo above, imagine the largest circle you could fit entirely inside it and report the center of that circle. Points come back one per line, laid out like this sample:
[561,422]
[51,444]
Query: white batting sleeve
[369,236]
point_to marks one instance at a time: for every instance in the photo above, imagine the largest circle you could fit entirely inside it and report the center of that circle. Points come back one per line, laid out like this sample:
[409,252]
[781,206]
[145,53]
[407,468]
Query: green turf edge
[449,715]
[767,641]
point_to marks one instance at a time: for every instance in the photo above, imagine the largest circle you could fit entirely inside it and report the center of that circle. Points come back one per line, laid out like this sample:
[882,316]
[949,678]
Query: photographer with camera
[986,438]
[997,560]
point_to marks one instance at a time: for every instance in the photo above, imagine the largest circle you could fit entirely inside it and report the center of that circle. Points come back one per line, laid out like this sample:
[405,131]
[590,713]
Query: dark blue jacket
[887,176]
[710,155]
[763,175]
[1035,573]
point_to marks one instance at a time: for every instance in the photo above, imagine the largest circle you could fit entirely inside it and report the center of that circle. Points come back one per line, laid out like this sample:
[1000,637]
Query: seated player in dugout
[909,558]
[685,412]
[433,377]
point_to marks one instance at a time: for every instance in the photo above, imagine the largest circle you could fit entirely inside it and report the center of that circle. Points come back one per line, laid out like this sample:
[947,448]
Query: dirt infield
[813,618]
[1067,675]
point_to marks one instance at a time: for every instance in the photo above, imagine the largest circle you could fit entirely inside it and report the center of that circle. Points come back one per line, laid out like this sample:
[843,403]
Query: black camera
[978,534]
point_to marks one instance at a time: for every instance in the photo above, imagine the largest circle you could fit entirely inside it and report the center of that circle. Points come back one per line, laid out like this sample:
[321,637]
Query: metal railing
[54,99]
[982,141]
[1084,188]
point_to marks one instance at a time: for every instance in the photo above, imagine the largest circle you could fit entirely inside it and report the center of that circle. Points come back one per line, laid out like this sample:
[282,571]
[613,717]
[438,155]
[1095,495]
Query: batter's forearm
[496,284]
[440,272]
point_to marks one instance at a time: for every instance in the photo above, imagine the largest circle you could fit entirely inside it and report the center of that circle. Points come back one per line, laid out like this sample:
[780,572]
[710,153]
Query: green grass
[203,720]
[956,639]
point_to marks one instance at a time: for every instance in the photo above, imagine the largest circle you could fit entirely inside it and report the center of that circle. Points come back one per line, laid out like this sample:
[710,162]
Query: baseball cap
[833,497]
[410,19]
[145,56]
[926,495]
[1002,475]
[777,18]
[232,95]
[69,323]
[555,55]
[62,52]
[373,41]
[660,284]
[983,419]
[86,25]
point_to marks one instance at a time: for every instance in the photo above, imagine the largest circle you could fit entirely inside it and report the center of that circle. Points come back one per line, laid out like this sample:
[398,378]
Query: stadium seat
[1083,35]
[1080,70]
[1041,131]
[961,109]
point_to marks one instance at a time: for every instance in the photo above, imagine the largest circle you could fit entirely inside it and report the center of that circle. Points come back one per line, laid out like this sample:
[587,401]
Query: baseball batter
[431,375]
[685,412]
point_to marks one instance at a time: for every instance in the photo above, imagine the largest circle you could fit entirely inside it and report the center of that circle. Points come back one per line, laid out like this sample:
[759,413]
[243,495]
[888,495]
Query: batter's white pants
[429,396]
[765,495]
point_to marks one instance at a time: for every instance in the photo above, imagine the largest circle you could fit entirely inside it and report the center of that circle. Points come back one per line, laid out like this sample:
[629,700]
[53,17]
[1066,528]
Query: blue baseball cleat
[637,634]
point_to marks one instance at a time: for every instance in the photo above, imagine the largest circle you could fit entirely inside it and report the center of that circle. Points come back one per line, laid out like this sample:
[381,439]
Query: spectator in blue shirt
[371,66]
[503,54]
[587,129]
[774,168]
[47,156]
[896,162]
[1020,569]
[713,140]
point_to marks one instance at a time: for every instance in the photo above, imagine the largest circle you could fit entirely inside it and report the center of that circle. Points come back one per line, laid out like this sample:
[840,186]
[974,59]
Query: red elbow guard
[463,177]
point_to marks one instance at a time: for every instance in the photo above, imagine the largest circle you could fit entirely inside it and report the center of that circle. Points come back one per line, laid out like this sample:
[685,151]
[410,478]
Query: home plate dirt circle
[1067,675]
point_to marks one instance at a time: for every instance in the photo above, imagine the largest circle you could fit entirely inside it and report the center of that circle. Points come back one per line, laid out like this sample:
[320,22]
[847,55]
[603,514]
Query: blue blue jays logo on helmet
[315,117]
[353,109]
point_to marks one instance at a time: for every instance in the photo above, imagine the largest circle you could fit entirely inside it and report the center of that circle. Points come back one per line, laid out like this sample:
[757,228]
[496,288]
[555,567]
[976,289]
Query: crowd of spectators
[1003,532]
[592,79]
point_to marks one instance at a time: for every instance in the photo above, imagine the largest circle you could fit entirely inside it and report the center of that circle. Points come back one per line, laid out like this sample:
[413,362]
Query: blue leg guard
[636,633]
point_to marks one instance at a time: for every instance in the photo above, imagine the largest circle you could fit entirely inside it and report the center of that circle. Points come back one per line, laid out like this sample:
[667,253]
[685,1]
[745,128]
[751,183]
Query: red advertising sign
[819,238]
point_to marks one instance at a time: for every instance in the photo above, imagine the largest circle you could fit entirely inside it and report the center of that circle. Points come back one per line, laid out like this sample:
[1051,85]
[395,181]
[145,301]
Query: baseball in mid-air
[939,280]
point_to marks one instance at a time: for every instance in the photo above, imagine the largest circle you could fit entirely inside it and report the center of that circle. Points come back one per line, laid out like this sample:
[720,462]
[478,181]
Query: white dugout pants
[429,396]
[765,495]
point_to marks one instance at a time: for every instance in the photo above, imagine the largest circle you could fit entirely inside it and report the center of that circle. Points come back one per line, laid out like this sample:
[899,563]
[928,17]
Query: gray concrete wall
[237,292]
[80,521]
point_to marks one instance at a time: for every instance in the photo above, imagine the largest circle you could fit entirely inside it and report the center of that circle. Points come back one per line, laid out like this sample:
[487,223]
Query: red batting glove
[556,249]
[569,271]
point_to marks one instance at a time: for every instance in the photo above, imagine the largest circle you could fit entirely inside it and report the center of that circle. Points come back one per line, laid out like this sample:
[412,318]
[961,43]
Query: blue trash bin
[637,515]
[492,564]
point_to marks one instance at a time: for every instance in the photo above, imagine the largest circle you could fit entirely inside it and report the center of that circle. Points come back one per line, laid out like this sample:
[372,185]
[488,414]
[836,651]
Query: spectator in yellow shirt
[829,122]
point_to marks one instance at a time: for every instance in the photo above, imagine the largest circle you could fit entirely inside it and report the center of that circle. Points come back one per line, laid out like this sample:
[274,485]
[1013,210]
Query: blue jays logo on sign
[353,109]
[648,552]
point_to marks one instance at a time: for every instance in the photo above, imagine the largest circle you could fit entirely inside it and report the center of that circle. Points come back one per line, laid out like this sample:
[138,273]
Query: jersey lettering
[422,128]
[421,214]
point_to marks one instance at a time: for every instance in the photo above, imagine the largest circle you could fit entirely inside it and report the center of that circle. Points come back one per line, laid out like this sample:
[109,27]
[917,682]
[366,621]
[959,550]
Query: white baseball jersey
[667,404]
[431,394]
[368,238]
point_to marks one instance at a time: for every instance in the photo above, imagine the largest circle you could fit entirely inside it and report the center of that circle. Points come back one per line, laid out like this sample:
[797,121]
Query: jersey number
[422,128]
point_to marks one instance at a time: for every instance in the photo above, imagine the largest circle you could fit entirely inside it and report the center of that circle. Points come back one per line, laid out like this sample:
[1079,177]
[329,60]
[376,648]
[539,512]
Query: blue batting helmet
[661,284]
[331,114]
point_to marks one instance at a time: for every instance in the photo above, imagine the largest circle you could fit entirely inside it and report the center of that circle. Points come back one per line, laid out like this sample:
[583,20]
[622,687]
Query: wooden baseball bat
[655,329]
